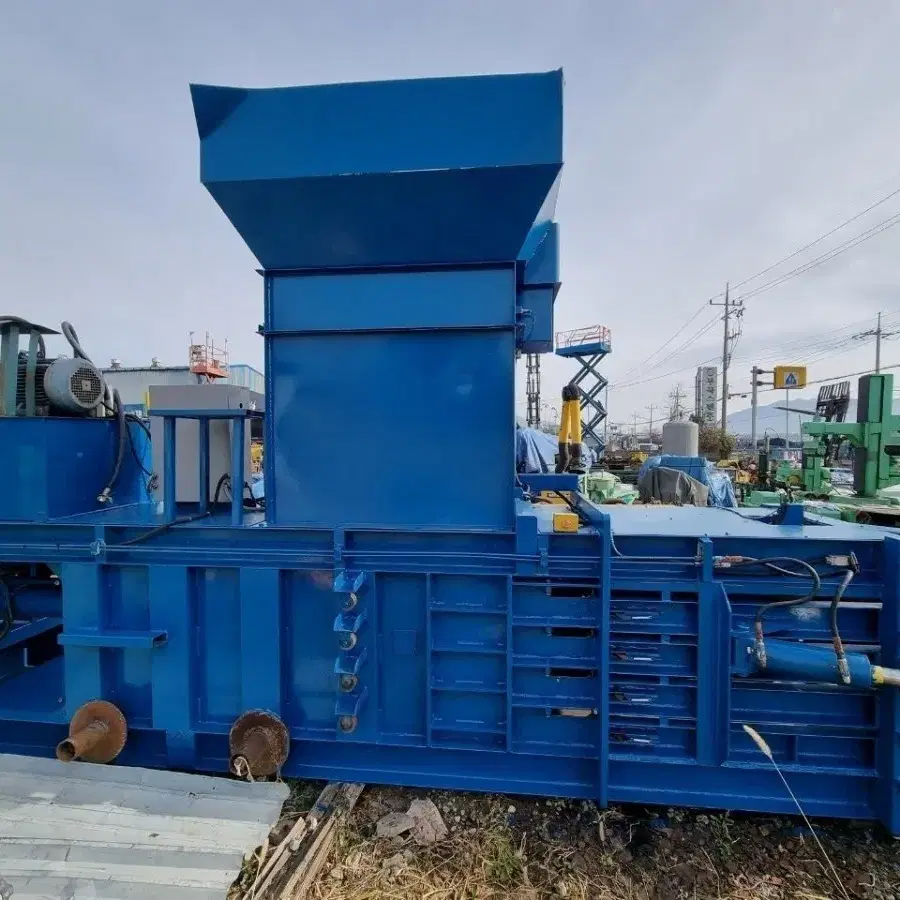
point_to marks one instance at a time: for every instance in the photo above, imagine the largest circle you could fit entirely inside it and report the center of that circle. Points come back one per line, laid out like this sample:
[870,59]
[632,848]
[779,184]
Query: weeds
[502,862]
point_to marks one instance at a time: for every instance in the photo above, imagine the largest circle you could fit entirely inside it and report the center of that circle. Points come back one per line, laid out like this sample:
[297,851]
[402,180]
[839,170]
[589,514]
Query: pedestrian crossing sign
[788,377]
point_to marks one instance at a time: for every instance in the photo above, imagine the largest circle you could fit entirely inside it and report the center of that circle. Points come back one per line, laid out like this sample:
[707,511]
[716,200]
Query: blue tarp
[536,451]
[721,489]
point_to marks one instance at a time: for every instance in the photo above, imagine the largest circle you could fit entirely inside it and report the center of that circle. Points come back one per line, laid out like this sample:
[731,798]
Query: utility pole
[727,336]
[754,399]
[725,363]
[878,345]
[650,409]
[787,420]
[755,372]
[634,418]
[675,410]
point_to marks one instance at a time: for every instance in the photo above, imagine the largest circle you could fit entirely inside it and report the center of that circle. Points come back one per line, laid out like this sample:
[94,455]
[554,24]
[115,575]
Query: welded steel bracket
[350,663]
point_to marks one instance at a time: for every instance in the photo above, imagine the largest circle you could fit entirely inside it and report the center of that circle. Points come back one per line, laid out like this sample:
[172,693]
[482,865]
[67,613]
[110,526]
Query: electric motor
[74,385]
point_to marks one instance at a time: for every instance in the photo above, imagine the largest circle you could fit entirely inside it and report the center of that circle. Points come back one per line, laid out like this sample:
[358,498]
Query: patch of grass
[720,832]
[502,863]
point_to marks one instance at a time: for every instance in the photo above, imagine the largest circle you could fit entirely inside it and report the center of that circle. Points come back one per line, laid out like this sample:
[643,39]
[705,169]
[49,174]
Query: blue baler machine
[418,617]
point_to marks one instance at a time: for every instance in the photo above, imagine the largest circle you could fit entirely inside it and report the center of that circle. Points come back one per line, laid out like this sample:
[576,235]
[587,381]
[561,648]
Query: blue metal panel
[539,258]
[446,170]
[601,347]
[173,593]
[57,466]
[435,391]
[466,298]
[537,320]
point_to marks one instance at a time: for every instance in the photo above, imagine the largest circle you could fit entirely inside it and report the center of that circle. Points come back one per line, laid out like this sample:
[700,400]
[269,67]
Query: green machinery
[875,439]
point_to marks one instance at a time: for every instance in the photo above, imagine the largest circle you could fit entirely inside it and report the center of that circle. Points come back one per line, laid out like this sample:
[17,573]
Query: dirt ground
[525,849]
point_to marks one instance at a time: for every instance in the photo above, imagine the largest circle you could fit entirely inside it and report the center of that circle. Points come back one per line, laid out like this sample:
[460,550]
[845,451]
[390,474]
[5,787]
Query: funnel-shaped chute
[431,171]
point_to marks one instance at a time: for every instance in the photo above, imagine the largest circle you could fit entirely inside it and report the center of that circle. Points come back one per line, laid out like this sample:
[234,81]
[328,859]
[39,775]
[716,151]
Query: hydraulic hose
[772,563]
[106,493]
[162,529]
[71,335]
[843,668]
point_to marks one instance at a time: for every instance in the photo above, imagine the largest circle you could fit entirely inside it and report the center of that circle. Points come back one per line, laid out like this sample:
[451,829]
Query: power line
[695,337]
[795,343]
[822,339]
[815,343]
[691,340]
[875,230]
[836,377]
[664,345]
[819,239]
[823,258]
[806,362]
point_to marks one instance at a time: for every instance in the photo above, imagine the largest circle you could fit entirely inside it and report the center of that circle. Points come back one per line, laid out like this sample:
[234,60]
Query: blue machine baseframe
[413,617]
[529,662]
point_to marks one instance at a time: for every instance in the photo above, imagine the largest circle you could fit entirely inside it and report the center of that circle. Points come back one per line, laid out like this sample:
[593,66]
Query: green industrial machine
[875,439]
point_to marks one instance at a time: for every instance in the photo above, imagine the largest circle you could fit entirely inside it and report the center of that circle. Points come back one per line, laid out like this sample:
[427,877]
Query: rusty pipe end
[97,733]
[66,751]
[82,742]
[258,745]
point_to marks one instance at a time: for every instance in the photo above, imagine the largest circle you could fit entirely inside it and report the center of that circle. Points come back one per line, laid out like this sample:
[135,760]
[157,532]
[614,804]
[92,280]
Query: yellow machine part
[566,522]
[570,423]
[256,456]
[554,497]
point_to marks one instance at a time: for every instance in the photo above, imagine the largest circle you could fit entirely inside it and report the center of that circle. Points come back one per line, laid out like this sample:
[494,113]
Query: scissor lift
[588,346]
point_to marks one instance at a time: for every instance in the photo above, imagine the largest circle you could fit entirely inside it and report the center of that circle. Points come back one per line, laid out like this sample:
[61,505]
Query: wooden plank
[277,860]
[287,876]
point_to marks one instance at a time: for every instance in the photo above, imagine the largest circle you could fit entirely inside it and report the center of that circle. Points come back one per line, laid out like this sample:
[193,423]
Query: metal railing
[592,334]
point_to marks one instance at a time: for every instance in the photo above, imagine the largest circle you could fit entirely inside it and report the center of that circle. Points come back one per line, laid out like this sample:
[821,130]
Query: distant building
[706,394]
[133,384]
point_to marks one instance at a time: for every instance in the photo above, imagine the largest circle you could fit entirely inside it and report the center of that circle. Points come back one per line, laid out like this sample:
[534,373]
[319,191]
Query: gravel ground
[524,848]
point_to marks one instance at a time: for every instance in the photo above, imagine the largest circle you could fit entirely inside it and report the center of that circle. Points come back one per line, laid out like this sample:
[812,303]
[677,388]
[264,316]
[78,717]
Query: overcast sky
[704,141]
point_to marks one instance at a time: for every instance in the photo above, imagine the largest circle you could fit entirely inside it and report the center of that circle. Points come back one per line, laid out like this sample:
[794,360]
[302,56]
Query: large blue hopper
[429,171]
